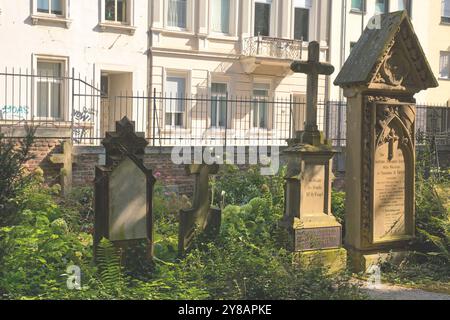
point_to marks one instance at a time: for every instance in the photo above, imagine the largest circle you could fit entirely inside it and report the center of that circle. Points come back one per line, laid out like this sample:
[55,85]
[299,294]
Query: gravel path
[390,292]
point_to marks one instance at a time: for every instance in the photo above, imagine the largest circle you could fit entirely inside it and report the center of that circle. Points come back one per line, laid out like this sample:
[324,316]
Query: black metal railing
[75,107]
[261,46]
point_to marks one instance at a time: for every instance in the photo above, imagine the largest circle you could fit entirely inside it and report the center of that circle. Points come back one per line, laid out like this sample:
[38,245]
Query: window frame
[272,18]
[445,19]
[268,109]
[115,21]
[182,75]
[42,17]
[362,10]
[227,109]
[118,26]
[230,19]
[442,53]
[386,7]
[189,18]
[64,91]
[310,20]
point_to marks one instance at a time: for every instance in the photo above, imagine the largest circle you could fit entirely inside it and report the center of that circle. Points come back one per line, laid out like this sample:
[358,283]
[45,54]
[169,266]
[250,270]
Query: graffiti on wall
[85,115]
[14,112]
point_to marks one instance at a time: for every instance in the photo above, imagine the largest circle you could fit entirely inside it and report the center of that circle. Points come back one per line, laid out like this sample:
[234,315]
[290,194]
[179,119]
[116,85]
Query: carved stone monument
[386,68]
[315,232]
[124,189]
[201,218]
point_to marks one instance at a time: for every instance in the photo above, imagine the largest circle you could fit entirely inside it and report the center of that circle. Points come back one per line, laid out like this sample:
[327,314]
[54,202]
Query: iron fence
[74,107]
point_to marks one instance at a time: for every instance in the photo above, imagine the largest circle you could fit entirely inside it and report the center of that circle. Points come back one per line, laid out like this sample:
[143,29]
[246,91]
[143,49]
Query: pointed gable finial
[388,56]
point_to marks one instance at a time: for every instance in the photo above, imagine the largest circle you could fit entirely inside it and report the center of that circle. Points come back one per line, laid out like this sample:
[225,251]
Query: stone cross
[67,160]
[202,218]
[312,68]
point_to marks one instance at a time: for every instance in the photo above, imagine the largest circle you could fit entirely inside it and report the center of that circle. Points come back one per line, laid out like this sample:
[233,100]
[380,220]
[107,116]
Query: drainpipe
[343,41]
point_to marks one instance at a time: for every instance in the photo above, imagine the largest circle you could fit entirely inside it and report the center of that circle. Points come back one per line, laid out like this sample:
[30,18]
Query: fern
[110,269]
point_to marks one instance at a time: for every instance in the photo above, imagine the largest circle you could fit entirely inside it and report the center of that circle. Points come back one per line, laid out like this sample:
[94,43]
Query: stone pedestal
[315,232]
[386,69]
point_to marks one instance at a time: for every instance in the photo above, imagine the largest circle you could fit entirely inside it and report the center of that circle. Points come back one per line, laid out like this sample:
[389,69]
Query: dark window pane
[57,7]
[301,29]
[262,19]
[121,10]
[42,6]
[357,5]
[42,99]
[110,10]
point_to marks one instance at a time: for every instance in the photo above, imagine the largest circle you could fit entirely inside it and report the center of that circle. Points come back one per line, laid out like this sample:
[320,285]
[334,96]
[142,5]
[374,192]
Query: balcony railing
[279,48]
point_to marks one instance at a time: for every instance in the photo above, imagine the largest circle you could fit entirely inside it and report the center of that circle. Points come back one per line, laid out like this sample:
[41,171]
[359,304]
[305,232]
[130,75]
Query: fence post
[226,118]
[291,123]
[154,117]
[73,105]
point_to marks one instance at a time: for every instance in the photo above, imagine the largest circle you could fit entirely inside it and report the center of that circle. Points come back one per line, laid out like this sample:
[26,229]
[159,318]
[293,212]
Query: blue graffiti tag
[14,111]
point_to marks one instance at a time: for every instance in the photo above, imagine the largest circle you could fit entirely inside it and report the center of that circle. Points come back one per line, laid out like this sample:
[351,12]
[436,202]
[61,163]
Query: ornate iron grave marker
[201,218]
[124,189]
[386,68]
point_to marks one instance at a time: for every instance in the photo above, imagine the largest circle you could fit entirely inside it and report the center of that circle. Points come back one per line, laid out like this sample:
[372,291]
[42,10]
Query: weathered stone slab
[380,78]
[128,208]
[124,190]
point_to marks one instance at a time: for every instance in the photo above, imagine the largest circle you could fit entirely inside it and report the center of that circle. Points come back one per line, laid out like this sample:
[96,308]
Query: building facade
[189,71]
[431,20]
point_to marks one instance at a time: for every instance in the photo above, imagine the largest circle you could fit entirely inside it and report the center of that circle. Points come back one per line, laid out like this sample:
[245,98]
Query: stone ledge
[335,260]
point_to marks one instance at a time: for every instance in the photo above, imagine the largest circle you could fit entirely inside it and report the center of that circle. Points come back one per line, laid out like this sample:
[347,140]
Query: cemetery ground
[42,233]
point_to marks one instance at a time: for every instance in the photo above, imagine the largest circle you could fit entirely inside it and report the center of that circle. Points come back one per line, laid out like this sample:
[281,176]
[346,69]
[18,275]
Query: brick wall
[42,150]
[173,177]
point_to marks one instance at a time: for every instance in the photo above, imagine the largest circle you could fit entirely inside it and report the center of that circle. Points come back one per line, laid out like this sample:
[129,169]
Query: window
[116,10]
[177,13]
[49,89]
[260,106]
[50,7]
[218,105]
[262,17]
[445,16]
[175,104]
[301,19]
[381,6]
[358,5]
[405,5]
[444,67]
[220,16]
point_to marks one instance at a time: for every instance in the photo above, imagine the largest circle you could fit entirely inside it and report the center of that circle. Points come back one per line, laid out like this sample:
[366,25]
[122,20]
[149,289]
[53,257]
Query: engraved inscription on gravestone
[389,192]
[317,238]
[128,209]
[314,189]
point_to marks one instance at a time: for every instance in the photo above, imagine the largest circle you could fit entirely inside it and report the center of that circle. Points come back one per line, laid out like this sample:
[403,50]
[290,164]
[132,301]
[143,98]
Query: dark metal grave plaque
[317,238]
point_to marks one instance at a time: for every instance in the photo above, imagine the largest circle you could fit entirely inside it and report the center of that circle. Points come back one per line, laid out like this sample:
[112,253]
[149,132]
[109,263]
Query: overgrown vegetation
[13,177]
[429,264]
[246,261]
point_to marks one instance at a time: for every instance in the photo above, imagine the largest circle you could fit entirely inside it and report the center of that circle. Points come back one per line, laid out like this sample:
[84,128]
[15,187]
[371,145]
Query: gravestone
[201,218]
[386,68]
[315,232]
[66,159]
[124,189]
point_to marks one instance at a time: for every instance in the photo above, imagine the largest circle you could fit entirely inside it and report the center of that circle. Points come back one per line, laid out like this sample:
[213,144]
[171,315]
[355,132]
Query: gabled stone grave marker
[201,218]
[124,189]
[386,68]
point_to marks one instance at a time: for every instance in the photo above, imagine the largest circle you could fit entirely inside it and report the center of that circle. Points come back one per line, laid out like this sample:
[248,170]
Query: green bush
[13,175]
